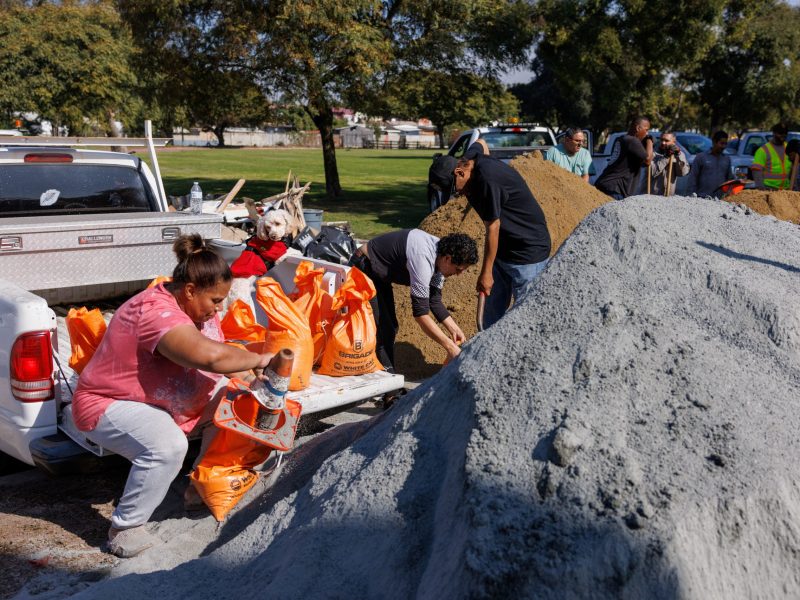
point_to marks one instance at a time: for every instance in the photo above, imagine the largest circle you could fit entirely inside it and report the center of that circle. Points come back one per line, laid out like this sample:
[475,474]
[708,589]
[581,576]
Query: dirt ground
[54,527]
[54,524]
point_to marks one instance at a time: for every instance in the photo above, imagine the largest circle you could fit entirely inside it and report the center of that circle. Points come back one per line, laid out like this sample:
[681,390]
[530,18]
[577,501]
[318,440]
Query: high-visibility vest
[776,167]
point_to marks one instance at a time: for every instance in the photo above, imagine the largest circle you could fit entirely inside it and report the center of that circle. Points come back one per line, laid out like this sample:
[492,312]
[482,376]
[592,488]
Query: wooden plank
[230,196]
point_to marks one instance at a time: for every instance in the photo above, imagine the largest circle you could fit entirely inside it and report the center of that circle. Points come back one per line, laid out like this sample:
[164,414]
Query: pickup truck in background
[743,149]
[691,144]
[88,227]
[505,141]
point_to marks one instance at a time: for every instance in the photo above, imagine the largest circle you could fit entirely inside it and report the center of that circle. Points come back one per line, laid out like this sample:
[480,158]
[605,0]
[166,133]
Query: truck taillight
[32,367]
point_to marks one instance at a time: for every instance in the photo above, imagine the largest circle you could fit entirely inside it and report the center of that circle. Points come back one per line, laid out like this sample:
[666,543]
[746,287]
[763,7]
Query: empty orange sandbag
[159,279]
[350,349]
[86,329]
[287,328]
[315,303]
[239,324]
[226,471]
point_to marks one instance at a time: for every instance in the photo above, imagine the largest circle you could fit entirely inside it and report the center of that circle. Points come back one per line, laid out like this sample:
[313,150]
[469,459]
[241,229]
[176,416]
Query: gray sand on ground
[628,430]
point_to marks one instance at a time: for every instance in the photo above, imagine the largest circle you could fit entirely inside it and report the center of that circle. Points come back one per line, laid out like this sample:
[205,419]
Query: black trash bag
[302,240]
[332,244]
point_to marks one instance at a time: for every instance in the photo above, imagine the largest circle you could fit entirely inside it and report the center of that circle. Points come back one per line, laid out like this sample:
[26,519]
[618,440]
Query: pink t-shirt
[127,366]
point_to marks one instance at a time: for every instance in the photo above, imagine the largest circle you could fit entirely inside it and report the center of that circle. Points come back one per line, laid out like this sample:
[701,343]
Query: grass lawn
[383,189]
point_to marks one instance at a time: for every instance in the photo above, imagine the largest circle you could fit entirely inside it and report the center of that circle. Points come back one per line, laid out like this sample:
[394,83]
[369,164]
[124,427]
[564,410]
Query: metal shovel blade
[481,306]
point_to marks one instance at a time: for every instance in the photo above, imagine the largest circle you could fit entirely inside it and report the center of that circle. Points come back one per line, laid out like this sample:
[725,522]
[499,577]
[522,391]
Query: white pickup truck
[78,227]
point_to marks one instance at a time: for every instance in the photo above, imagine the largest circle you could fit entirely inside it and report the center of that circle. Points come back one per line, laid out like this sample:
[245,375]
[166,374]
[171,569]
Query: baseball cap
[441,174]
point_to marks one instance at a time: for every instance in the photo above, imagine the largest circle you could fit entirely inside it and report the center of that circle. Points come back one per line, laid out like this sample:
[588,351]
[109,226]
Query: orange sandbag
[287,328]
[226,471]
[159,279]
[315,303]
[350,349]
[239,324]
[86,329]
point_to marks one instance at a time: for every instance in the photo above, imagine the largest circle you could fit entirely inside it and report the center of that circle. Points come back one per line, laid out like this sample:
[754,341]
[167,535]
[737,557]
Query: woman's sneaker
[127,543]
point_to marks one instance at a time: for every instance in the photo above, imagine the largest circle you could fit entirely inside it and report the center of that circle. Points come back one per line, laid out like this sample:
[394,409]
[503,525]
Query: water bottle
[196,200]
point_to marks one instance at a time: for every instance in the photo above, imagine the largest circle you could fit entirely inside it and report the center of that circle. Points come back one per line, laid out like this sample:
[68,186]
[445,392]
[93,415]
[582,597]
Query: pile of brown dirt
[416,355]
[563,196]
[781,205]
[565,200]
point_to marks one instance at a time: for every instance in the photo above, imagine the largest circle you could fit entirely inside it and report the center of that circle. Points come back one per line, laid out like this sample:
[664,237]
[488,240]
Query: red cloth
[267,251]
[127,366]
[248,263]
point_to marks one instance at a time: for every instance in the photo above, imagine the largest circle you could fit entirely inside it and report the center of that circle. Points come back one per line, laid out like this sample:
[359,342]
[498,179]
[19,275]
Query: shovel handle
[481,306]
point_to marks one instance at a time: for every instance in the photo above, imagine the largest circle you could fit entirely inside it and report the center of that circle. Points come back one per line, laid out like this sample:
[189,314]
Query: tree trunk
[322,115]
[715,119]
[219,131]
[440,133]
[114,131]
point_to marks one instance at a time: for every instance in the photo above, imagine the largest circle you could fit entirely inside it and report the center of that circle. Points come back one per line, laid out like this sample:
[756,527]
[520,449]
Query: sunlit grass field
[383,189]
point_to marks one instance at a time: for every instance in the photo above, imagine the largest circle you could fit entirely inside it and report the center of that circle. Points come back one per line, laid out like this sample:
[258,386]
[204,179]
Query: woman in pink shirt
[153,380]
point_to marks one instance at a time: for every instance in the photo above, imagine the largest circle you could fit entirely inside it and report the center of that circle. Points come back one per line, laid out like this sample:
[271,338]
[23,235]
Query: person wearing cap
[414,258]
[517,242]
[571,155]
[771,165]
[440,174]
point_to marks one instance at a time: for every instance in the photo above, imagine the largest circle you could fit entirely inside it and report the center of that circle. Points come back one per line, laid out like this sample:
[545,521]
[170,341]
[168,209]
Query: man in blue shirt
[710,169]
[571,155]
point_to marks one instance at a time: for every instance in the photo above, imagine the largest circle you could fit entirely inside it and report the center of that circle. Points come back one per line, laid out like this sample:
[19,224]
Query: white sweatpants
[149,438]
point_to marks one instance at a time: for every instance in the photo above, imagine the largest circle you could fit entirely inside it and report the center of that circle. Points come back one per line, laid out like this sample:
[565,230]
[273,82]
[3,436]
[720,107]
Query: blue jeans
[509,282]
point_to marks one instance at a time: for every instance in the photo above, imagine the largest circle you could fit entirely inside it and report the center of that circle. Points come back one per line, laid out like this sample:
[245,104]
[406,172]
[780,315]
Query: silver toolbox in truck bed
[76,258]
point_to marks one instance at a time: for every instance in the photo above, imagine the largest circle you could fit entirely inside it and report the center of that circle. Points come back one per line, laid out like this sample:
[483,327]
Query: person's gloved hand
[674,151]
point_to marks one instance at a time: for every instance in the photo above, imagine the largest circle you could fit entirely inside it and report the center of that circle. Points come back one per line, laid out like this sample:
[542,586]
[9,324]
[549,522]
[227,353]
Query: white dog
[275,225]
[272,227]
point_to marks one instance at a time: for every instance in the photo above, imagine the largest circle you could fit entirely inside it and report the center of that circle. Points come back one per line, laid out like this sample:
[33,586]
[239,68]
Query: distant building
[356,136]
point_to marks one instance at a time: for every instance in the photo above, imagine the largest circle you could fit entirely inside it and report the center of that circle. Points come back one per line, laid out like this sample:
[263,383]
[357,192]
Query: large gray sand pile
[628,430]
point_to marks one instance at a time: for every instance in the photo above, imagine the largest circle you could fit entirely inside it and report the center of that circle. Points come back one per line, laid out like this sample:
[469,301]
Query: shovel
[669,176]
[481,306]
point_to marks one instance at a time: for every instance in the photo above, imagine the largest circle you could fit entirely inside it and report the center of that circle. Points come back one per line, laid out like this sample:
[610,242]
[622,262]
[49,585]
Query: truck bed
[88,257]
[323,394]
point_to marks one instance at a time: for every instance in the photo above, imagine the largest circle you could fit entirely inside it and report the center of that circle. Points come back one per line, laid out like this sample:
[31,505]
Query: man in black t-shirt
[621,178]
[517,240]
[420,261]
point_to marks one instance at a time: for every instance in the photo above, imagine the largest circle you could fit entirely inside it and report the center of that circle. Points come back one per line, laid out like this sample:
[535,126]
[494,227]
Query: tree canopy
[70,62]
[222,63]
[688,64]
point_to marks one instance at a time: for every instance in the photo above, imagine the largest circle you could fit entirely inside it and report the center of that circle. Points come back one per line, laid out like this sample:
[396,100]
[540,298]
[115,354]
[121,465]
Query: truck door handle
[170,234]
[11,243]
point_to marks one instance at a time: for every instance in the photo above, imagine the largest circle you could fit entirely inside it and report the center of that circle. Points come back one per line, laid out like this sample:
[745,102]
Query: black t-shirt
[622,176]
[497,191]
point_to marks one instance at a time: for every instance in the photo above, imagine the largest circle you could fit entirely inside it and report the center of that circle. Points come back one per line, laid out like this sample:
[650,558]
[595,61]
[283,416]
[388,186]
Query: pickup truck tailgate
[331,392]
[323,393]
[81,253]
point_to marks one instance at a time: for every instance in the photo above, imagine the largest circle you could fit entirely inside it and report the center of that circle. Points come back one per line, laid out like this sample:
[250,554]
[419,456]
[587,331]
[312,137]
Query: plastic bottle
[196,200]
